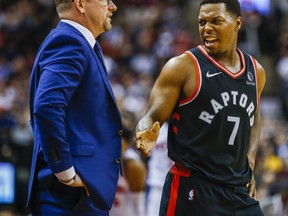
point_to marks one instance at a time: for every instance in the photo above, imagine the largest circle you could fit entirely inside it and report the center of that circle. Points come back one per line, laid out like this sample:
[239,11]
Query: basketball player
[211,94]
[130,194]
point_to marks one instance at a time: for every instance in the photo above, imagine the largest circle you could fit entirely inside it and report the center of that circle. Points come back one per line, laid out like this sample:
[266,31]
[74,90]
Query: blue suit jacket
[74,115]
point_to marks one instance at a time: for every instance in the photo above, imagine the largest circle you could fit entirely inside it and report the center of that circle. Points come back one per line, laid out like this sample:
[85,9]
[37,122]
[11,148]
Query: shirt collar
[84,31]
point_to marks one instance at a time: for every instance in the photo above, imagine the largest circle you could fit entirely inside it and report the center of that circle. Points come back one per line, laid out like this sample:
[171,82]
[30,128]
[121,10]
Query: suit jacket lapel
[97,53]
[103,71]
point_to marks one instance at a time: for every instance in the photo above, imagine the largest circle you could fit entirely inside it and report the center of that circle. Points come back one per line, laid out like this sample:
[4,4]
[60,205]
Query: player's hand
[146,139]
[252,188]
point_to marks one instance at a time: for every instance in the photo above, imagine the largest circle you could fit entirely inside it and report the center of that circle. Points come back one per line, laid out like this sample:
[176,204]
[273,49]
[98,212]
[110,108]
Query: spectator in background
[7,120]
[248,36]
[282,71]
[277,203]
[8,211]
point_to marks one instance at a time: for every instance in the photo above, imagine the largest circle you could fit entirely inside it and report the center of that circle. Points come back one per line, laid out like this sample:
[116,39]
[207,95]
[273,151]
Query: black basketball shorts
[188,194]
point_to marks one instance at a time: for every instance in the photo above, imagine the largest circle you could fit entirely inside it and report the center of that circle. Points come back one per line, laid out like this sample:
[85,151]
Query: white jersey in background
[158,166]
[128,203]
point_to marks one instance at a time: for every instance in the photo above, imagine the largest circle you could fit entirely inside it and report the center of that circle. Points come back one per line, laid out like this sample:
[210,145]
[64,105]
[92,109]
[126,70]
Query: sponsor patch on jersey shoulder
[191,195]
[250,79]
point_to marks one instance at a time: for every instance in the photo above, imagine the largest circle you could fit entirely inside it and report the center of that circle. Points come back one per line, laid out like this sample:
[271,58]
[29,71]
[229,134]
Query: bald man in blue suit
[76,123]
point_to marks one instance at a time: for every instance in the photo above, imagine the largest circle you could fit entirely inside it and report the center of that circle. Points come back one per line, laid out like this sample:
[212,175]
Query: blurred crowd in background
[145,34]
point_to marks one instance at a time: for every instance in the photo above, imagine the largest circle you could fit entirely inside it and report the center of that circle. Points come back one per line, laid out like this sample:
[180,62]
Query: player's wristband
[71,181]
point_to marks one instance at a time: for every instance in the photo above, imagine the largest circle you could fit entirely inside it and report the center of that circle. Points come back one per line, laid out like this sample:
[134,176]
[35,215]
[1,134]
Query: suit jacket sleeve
[61,69]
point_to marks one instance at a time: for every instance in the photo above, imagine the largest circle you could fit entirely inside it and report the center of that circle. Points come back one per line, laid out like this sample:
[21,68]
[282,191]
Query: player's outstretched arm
[166,92]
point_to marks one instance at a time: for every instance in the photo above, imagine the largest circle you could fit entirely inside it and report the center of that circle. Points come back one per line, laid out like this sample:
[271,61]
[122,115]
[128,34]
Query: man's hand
[146,139]
[78,183]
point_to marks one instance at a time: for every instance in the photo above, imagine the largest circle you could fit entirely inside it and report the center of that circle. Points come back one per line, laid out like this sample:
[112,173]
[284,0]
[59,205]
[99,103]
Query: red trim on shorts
[178,170]
[173,196]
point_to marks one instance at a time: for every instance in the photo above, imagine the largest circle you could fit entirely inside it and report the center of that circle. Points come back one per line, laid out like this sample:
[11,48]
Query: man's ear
[238,23]
[80,6]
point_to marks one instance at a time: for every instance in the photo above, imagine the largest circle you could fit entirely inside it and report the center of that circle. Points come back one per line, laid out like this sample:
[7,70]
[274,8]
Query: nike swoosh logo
[208,74]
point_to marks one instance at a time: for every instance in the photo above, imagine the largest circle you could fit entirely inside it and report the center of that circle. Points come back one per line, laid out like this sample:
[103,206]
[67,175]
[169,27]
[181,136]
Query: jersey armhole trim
[256,78]
[198,81]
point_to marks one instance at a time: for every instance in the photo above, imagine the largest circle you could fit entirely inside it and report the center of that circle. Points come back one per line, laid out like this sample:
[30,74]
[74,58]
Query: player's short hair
[232,6]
